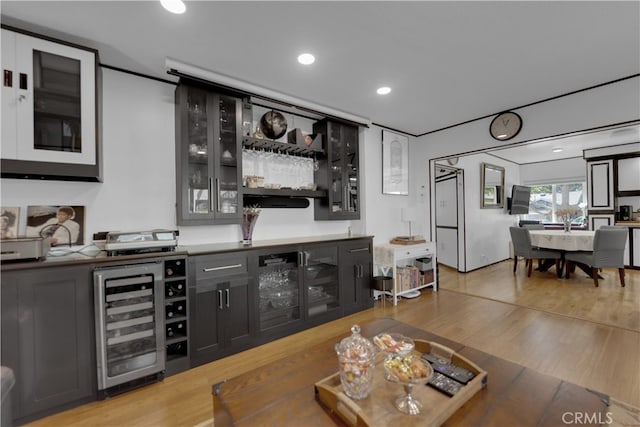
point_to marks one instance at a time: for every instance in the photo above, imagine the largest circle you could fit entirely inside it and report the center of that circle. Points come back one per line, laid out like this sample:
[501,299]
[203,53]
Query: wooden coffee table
[282,392]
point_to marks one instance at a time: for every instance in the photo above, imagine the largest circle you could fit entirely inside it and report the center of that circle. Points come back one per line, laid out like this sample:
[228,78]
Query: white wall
[488,238]
[382,211]
[601,106]
[138,191]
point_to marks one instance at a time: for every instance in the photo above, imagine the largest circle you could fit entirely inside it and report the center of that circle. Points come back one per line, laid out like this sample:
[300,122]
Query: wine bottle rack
[176,315]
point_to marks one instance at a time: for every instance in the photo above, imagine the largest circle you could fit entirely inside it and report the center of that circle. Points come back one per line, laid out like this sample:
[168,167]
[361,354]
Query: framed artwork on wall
[9,220]
[64,225]
[395,163]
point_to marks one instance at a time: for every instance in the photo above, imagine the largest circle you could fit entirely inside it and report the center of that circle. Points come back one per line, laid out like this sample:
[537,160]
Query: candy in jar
[356,357]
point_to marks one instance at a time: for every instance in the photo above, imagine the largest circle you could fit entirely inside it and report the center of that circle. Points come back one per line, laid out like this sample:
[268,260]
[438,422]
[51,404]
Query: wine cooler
[130,330]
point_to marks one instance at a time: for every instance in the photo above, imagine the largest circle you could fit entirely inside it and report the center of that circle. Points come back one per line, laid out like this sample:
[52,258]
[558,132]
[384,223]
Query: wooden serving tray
[378,409]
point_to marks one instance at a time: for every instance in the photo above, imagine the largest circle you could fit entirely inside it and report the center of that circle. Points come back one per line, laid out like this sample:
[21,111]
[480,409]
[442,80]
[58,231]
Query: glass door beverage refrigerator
[130,339]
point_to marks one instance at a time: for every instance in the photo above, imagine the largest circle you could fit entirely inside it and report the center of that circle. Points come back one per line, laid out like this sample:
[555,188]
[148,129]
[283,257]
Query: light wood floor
[540,325]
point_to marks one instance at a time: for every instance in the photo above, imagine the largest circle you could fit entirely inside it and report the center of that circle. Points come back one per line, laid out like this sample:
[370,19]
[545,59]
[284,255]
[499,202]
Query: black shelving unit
[283,192]
[283,147]
[176,324]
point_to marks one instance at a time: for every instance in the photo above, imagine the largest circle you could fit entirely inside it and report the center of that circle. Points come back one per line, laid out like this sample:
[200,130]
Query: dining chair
[608,251]
[522,248]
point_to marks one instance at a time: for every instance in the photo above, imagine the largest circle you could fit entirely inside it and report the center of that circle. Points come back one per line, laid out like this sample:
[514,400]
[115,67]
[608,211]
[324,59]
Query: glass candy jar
[356,356]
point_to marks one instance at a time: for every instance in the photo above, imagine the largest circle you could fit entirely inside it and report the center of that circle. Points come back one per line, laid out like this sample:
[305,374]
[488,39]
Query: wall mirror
[491,186]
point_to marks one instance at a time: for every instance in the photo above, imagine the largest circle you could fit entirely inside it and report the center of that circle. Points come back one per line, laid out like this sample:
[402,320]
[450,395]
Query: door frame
[460,207]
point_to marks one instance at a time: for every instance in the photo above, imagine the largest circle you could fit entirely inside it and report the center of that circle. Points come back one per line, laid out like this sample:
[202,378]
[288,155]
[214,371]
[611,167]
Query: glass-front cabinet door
[351,161]
[208,147]
[228,152]
[320,271]
[48,101]
[337,186]
[279,289]
[338,172]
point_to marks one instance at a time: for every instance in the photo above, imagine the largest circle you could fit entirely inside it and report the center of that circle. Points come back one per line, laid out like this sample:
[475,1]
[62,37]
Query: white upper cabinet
[48,106]
[629,174]
[600,184]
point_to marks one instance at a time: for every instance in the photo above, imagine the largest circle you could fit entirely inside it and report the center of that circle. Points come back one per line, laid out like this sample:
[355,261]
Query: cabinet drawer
[208,266]
[412,252]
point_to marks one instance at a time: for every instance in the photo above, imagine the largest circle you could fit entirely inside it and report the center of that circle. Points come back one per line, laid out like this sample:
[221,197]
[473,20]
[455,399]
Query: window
[551,202]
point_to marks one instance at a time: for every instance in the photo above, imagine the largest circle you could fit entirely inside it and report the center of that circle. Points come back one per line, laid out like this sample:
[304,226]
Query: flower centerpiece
[250,215]
[566,215]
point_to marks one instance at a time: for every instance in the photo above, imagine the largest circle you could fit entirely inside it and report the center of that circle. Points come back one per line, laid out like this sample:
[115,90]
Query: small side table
[390,259]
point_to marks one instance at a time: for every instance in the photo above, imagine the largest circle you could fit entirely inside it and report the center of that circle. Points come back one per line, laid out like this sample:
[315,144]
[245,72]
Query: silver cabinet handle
[220,300]
[226,291]
[101,339]
[346,198]
[218,195]
[358,250]
[224,267]
[210,183]
[303,258]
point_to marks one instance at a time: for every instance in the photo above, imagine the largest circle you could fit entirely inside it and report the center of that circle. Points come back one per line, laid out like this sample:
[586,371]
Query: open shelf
[283,147]
[283,192]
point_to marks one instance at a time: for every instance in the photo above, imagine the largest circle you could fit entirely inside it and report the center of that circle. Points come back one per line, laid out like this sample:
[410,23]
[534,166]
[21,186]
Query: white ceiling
[572,146]
[447,62]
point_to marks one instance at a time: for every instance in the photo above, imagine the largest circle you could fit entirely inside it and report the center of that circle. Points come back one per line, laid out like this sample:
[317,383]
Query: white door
[449,211]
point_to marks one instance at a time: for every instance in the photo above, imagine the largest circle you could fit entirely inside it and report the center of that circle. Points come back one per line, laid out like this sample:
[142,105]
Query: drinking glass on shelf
[249,160]
[262,165]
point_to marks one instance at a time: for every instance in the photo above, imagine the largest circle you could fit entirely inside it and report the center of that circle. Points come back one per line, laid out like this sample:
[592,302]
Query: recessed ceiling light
[306,59]
[384,90]
[502,135]
[557,150]
[174,6]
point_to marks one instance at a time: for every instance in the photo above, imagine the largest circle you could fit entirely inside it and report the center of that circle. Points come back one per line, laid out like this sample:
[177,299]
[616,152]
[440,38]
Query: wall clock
[505,126]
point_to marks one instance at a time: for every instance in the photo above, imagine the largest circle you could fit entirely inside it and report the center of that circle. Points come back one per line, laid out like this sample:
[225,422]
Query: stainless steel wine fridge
[130,337]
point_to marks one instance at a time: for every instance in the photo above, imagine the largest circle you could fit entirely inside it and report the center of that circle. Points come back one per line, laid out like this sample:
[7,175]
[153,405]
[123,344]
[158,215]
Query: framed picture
[9,220]
[64,225]
[395,163]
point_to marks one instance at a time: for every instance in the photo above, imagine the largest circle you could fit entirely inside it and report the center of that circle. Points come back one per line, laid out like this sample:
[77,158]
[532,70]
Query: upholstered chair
[608,251]
[522,248]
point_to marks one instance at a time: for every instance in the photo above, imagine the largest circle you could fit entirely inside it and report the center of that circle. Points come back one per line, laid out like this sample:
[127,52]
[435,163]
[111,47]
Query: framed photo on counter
[64,225]
[9,220]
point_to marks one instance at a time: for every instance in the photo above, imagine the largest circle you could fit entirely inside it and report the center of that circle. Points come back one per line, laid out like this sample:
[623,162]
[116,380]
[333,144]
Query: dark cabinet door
[56,363]
[338,172]
[320,272]
[220,318]
[205,329]
[356,268]
[238,317]
[208,157]
[277,289]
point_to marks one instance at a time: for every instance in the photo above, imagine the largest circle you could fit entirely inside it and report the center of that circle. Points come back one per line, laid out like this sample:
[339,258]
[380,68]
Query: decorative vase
[248,222]
[567,225]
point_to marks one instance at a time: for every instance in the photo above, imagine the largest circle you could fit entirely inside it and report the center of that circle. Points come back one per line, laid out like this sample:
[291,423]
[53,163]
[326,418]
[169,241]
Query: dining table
[564,241]
[574,240]
[281,393]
